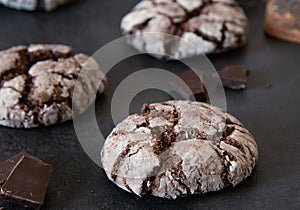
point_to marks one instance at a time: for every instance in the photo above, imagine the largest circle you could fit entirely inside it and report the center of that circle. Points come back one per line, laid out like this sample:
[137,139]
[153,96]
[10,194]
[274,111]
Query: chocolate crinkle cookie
[178,148]
[206,26]
[32,5]
[37,83]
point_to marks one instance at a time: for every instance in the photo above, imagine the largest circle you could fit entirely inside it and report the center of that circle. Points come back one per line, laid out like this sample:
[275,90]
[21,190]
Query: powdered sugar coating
[37,82]
[177,148]
[212,26]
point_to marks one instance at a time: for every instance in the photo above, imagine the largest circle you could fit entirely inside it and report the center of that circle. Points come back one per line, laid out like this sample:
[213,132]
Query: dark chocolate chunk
[24,180]
[193,81]
[234,77]
[7,166]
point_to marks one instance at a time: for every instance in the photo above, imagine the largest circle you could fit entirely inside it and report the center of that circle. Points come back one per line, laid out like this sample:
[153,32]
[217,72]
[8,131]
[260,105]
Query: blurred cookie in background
[210,26]
[283,19]
[33,5]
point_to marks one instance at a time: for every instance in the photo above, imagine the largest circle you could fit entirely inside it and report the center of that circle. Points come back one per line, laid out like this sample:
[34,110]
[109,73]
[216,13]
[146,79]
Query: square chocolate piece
[7,166]
[234,77]
[24,180]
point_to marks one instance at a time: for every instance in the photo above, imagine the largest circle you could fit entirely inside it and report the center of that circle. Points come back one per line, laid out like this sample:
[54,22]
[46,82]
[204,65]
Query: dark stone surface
[271,114]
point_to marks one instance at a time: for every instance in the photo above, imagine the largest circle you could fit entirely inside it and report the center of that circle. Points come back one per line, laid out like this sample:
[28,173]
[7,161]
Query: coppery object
[283,19]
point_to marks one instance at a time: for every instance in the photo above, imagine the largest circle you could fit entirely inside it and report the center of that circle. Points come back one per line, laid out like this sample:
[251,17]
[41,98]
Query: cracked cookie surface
[208,26]
[37,82]
[31,5]
[178,148]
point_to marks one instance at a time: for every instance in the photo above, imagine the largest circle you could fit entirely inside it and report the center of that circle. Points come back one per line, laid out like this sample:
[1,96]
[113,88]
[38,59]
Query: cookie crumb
[268,85]
[66,183]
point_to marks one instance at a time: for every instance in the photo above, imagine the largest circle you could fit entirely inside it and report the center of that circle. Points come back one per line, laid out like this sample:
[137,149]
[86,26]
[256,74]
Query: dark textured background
[272,115]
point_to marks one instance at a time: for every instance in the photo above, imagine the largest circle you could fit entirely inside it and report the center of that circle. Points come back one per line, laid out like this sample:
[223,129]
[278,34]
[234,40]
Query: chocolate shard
[24,180]
[193,81]
[7,166]
[234,77]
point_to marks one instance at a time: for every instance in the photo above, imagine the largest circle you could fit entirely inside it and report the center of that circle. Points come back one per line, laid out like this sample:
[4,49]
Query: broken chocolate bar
[193,81]
[24,180]
[7,166]
[234,77]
